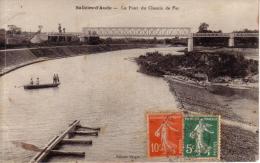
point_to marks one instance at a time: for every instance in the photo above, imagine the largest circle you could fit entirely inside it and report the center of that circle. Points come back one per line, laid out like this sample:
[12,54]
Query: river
[101,90]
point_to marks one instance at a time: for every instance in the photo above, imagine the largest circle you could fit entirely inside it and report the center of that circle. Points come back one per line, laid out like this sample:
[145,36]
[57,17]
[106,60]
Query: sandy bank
[239,113]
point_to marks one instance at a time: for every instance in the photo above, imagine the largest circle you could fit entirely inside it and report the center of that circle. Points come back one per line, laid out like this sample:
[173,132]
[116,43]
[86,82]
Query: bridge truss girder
[229,35]
[137,31]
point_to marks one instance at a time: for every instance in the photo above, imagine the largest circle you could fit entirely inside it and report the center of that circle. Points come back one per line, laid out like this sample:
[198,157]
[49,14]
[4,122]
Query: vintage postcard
[129,80]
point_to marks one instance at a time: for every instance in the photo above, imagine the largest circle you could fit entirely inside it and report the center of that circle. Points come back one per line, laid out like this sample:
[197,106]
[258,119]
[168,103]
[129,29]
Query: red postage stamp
[165,134]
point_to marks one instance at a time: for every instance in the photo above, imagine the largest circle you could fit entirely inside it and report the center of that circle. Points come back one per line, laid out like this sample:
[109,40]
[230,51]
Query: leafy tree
[59,28]
[13,29]
[203,27]
[246,31]
[40,28]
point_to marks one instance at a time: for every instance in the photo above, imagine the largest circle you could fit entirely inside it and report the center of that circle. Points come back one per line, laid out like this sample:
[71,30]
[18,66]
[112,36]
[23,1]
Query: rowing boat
[30,86]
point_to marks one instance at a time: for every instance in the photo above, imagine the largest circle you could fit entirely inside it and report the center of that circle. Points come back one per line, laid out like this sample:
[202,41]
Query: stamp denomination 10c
[165,134]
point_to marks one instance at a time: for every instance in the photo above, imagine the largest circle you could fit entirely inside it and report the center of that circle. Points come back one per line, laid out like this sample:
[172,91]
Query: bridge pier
[190,44]
[231,40]
[82,39]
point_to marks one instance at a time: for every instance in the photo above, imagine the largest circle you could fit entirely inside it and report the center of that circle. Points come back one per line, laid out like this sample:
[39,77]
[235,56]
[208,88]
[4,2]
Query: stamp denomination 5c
[202,137]
[165,134]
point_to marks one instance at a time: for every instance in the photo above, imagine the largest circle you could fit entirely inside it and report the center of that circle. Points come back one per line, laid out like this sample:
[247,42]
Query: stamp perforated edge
[219,138]
[147,133]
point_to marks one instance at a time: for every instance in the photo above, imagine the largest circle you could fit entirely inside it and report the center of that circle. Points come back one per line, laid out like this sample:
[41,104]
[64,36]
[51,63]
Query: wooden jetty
[71,131]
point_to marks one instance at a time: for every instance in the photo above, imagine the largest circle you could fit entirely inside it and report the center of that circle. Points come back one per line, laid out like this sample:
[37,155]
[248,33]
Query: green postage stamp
[202,137]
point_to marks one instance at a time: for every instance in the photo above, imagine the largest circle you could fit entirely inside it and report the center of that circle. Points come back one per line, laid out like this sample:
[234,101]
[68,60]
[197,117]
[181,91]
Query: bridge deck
[147,32]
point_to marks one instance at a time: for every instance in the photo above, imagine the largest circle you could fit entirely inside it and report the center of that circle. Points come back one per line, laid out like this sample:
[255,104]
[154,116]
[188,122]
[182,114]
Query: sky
[225,15]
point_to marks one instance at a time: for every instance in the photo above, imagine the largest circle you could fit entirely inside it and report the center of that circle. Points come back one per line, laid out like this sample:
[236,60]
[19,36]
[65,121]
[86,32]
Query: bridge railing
[146,32]
[137,31]
[210,35]
[225,34]
[246,34]
[63,34]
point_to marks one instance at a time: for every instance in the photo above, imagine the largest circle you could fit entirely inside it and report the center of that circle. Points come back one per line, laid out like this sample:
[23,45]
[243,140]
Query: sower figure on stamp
[197,134]
[163,131]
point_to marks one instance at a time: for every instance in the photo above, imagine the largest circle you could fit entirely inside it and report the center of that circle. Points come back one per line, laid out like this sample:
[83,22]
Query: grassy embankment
[12,59]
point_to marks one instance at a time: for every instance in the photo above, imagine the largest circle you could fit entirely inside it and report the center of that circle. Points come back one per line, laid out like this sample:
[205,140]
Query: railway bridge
[184,32]
[160,32]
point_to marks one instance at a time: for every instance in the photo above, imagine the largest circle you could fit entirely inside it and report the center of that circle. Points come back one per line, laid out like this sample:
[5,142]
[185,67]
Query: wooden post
[59,152]
[76,141]
[89,128]
[86,133]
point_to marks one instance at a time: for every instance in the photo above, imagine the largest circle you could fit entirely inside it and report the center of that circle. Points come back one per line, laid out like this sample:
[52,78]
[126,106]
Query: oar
[27,146]
[18,86]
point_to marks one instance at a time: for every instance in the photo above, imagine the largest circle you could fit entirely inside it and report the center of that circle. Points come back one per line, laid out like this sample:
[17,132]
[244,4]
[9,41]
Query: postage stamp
[165,134]
[202,137]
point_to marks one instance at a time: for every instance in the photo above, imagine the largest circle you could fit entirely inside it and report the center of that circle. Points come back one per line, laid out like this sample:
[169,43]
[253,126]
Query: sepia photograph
[129,81]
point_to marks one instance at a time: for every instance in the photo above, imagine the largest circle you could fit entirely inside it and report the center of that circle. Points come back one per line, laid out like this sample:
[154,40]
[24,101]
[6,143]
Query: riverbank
[12,59]
[199,90]
[237,143]
[249,53]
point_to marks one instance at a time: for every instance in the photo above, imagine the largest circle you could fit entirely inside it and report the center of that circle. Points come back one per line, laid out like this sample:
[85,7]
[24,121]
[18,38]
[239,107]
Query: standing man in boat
[57,78]
[31,82]
[38,81]
[54,79]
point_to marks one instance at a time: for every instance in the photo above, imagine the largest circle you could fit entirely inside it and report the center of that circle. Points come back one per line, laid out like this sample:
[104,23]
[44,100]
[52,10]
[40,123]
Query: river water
[101,90]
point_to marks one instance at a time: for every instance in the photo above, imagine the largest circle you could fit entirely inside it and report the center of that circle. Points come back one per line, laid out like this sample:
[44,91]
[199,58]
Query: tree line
[223,41]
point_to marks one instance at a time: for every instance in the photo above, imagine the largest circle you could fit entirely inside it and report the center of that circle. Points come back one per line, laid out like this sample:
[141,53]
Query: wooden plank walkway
[57,140]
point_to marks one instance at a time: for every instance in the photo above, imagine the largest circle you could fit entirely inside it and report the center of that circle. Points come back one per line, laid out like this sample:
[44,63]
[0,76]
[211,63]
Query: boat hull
[41,86]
